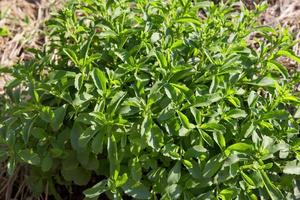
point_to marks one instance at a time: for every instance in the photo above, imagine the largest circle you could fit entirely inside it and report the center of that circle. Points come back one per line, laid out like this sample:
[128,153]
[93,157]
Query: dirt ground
[21,27]
[21,24]
[285,13]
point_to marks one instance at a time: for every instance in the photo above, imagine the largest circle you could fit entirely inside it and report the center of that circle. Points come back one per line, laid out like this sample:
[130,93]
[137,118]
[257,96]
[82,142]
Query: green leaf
[155,37]
[38,133]
[292,167]
[78,174]
[174,191]
[155,138]
[96,190]
[87,135]
[279,67]
[171,150]
[219,139]
[272,190]
[47,114]
[47,163]
[197,115]
[297,113]
[175,173]
[289,54]
[228,193]
[265,82]
[196,152]
[212,126]
[161,59]
[236,113]
[146,125]
[112,150]
[207,138]
[212,166]
[28,129]
[276,114]
[11,166]
[136,190]
[72,55]
[99,79]
[59,115]
[30,157]
[240,147]
[203,4]
[121,180]
[136,170]
[247,179]
[78,82]
[207,99]
[181,73]
[188,20]
[75,134]
[184,120]
[247,129]
[4,31]
[115,102]
[97,143]
[183,88]
[252,98]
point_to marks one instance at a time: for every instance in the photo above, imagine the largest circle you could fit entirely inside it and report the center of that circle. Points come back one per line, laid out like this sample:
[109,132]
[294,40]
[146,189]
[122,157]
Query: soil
[22,21]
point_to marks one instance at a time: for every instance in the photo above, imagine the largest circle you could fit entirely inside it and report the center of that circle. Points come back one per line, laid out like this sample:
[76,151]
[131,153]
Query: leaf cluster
[158,102]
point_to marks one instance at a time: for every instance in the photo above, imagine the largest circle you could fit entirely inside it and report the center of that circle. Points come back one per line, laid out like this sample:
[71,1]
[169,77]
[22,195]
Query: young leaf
[188,20]
[289,54]
[99,79]
[240,147]
[161,59]
[184,120]
[197,115]
[236,113]
[219,139]
[72,55]
[247,179]
[282,69]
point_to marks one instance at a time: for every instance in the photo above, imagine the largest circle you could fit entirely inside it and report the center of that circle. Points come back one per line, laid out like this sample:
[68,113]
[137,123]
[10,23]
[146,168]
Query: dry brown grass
[24,19]
[285,13]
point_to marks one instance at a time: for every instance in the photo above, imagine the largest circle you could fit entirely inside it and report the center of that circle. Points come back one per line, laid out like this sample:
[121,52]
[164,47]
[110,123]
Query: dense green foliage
[157,103]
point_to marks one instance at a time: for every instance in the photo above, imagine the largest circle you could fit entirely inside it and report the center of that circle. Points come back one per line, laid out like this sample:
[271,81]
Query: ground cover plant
[156,100]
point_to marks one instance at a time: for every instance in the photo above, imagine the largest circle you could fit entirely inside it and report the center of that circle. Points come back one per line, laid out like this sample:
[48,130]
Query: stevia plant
[156,102]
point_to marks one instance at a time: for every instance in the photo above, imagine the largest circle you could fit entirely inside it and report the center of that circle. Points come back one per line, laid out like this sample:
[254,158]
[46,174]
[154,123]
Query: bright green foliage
[162,103]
